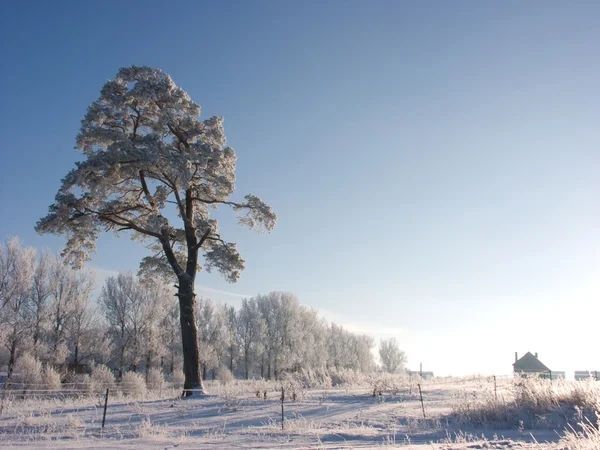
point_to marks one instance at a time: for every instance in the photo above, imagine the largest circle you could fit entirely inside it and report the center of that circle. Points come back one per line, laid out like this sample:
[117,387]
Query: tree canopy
[146,148]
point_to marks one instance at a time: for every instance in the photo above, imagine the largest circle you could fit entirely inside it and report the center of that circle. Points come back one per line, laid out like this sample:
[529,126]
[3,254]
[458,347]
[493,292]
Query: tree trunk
[148,362]
[189,338]
[121,363]
[11,363]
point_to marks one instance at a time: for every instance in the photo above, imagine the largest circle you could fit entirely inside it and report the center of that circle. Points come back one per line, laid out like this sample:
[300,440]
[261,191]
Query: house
[529,364]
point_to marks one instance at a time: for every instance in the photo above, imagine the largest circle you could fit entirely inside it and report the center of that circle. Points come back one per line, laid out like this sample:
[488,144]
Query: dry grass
[529,402]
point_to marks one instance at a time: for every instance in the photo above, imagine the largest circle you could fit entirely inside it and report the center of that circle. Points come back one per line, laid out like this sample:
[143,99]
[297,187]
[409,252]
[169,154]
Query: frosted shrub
[292,386]
[176,378]
[50,379]
[378,382]
[260,388]
[345,377]
[133,384]
[28,372]
[101,379]
[155,379]
[398,382]
[312,378]
[225,376]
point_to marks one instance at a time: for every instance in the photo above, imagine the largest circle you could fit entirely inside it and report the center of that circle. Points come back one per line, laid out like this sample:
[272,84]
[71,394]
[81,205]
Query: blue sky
[434,165]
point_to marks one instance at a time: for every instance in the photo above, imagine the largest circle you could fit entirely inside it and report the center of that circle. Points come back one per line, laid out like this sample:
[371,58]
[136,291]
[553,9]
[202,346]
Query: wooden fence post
[421,395]
[282,414]
[105,405]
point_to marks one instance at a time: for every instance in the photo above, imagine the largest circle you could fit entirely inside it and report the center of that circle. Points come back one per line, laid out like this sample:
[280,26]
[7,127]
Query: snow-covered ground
[334,418]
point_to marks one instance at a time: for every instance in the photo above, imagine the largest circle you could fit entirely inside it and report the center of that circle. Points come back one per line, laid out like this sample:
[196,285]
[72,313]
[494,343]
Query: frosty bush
[28,372]
[101,379]
[176,378]
[50,379]
[225,376]
[133,384]
[78,381]
[311,378]
[155,379]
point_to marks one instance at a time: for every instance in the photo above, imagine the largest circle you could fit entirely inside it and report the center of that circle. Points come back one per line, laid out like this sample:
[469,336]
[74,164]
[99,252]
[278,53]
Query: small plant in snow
[149,430]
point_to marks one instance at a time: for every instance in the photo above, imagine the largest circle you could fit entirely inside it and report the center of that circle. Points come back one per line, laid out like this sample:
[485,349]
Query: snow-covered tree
[69,294]
[211,326]
[231,335]
[86,337]
[17,266]
[392,358]
[131,309]
[249,329]
[145,147]
[170,339]
[41,291]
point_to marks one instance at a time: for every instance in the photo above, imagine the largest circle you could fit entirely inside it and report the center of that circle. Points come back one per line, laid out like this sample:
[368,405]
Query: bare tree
[70,290]
[211,326]
[41,291]
[145,147]
[86,337]
[231,336]
[249,326]
[118,301]
[392,358]
[17,266]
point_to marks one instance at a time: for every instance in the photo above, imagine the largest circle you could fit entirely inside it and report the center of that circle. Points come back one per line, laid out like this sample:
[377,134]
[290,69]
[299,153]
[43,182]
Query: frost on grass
[234,417]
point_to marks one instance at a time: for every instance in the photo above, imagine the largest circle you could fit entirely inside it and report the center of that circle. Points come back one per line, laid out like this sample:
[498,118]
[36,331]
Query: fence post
[3,395]
[282,414]
[495,389]
[105,405]
[421,395]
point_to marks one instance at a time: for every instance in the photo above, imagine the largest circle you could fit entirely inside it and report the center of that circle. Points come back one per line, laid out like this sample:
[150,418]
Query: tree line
[47,311]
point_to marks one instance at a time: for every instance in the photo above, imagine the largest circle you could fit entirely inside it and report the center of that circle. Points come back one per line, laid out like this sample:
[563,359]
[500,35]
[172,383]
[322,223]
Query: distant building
[529,364]
[557,374]
[425,375]
[585,374]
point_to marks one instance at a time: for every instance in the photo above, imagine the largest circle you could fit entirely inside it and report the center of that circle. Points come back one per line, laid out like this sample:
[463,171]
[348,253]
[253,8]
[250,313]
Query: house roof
[529,363]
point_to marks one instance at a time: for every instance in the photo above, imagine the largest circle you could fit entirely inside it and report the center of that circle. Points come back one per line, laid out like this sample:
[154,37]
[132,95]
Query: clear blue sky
[434,165]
